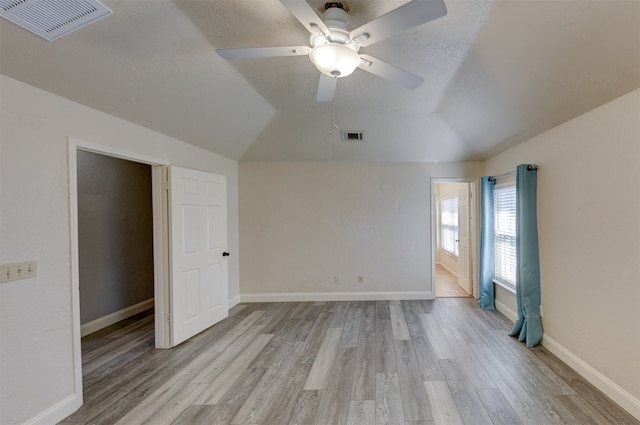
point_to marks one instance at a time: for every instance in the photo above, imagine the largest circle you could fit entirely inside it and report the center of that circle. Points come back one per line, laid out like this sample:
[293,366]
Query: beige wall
[589,234]
[302,224]
[36,367]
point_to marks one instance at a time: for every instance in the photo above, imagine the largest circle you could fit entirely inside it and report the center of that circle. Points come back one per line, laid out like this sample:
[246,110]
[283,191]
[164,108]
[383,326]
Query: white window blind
[449,225]
[505,234]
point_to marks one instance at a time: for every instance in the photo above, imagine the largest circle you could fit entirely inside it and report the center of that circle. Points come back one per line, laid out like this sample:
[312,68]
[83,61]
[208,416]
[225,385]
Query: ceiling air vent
[52,19]
[352,136]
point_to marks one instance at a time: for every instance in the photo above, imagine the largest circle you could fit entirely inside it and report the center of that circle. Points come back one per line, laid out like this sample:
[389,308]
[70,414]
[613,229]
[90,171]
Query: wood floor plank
[230,372]
[145,409]
[414,398]
[426,357]
[516,396]
[361,412]
[388,401]
[307,408]
[369,317]
[256,364]
[314,340]
[335,403]
[351,330]
[223,412]
[364,379]
[469,405]
[224,342]
[546,400]
[281,409]
[436,337]
[216,367]
[320,371]
[175,405]
[607,408]
[340,315]
[470,363]
[382,310]
[584,411]
[497,407]
[385,348]
[269,387]
[398,321]
[443,406]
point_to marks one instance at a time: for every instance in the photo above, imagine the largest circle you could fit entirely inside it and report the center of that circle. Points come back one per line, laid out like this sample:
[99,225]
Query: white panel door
[464,265]
[199,265]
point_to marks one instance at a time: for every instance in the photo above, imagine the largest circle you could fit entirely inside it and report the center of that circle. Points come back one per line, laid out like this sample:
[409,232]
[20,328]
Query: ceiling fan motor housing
[335,54]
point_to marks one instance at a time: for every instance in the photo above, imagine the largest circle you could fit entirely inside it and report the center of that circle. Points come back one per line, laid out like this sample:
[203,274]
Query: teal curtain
[528,327]
[487,264]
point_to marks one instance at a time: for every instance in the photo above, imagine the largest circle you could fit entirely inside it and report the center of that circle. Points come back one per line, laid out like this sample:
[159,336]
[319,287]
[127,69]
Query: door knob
[225,254]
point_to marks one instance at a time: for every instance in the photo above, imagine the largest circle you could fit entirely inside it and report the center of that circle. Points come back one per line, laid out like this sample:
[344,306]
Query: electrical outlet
[16,271]
[541,312]
[336,280]
[360,279]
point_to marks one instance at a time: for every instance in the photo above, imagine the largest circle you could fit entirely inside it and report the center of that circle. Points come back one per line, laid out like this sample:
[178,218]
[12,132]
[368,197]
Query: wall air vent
[352,136]
[52,19]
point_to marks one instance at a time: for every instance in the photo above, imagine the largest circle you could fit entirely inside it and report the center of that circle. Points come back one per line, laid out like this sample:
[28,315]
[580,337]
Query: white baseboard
[448,268]
[504,309]
[604,384]
[115,317]
[58,411]
[335,296]
[233,302]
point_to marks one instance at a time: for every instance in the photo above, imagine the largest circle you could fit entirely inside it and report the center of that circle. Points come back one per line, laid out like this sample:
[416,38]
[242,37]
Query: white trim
[75,400]
[335,296]
[117,153]
[115,317]
[447,268]
[57,412]
[75,286]
[604,384]
[474,243]
[233,302]
[504,309]
[506,286]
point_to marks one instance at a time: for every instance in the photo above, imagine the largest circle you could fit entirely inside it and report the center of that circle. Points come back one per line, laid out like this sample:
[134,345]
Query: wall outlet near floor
[16,271]
[336,280]
[360,279]
[541,311]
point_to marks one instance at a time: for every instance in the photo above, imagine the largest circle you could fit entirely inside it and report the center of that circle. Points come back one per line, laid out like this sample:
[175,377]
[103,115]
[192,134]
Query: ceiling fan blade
[263,52]
[306,15]
[389,72]
[412,14]
[326,88]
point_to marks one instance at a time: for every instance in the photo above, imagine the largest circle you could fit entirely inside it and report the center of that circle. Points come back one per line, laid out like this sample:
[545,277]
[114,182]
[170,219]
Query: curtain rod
[529,168]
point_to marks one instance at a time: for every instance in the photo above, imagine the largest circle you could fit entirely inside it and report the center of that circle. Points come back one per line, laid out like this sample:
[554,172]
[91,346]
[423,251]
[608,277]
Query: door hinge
[165,185]
[168,317]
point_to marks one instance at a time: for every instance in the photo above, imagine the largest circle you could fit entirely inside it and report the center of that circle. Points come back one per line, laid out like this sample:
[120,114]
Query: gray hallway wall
[115,234]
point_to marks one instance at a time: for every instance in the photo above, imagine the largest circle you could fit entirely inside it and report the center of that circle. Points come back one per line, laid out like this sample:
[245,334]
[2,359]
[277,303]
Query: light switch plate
[16,271]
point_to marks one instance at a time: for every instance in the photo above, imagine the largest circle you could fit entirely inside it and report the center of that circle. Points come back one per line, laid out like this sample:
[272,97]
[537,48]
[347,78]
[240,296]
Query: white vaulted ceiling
[496,73]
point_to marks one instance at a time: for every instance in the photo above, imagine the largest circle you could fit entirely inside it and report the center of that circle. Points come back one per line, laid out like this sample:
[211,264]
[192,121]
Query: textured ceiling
[496,73]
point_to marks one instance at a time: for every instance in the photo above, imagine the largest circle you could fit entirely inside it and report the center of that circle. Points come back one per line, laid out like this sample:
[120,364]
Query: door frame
[160,243]
[474,228]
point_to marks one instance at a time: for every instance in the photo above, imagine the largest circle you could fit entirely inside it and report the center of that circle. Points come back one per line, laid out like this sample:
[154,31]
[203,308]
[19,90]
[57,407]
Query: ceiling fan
[334,48]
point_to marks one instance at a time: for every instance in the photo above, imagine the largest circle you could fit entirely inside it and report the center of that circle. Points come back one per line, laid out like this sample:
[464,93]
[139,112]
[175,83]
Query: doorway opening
[454,233]
[115,239]
[159,246]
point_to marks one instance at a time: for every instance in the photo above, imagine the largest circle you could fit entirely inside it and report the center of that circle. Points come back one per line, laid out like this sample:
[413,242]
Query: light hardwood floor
[384,362]
[447,284]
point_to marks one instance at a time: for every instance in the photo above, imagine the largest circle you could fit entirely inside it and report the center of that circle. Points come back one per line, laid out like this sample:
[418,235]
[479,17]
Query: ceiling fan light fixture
[335,60]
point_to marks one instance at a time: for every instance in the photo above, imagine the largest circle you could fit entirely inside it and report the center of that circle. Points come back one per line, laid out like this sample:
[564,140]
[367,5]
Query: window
[449,225]
[504,198]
